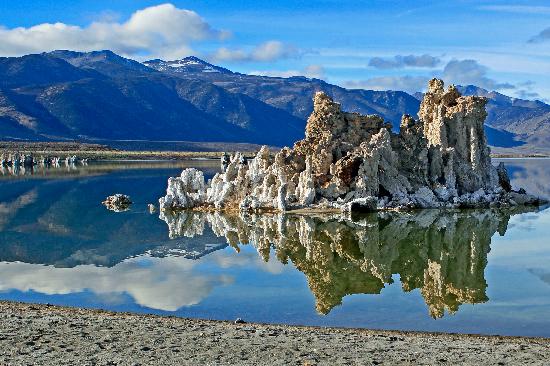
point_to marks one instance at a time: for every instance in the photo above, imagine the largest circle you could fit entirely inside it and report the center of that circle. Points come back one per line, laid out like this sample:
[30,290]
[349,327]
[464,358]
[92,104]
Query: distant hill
[527,120]
[66,95]
[293,94]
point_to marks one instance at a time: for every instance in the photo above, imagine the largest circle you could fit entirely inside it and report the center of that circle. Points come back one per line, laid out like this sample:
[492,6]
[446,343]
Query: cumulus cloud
[461,72]
[465,72]
[162,31]
[527,94]
[525,90]
[400,61]
[310,71]
[407,83]
[267,51]
[543,36]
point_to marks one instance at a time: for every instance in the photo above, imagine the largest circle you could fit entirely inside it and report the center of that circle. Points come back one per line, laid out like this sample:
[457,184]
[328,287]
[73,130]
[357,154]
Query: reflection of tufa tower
[442,253]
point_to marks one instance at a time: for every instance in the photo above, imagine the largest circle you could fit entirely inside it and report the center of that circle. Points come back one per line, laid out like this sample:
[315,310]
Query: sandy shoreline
[50,335]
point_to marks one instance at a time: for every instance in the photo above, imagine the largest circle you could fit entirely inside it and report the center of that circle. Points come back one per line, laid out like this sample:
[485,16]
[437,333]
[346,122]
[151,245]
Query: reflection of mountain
[443,254]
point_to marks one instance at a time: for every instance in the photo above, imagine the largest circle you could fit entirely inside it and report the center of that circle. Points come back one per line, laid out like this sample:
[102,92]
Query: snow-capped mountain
[101,95]
[185,65]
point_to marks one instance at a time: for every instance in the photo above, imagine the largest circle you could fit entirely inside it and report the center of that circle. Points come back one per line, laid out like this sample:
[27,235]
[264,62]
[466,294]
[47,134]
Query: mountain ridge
[100,95]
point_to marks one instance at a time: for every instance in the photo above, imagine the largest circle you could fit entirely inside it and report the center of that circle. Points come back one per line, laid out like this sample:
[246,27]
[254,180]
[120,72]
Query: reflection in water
[443,254]
[61,222]
[152,282]
[10,209]
[531,174]
[100,167]
[58,244]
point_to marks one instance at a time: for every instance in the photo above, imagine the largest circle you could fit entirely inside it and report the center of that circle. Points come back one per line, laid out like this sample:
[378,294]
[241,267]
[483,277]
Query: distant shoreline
[53,335]
[519,156]
[106,153]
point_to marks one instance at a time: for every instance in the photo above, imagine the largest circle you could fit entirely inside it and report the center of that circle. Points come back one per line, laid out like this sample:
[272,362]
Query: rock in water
[118,202]
[349,162]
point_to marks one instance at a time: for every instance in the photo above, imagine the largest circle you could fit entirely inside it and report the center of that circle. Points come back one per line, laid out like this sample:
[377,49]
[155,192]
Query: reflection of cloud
[8,210]
[247,259]
[158,283]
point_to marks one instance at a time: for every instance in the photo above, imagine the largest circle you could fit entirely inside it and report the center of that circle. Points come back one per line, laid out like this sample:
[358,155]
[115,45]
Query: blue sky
[501,45]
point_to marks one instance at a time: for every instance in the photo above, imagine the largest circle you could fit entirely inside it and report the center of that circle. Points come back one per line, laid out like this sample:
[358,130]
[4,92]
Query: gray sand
[50,335]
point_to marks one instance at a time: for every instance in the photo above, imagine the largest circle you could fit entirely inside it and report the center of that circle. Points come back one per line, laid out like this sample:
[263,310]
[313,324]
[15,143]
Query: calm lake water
[476,271]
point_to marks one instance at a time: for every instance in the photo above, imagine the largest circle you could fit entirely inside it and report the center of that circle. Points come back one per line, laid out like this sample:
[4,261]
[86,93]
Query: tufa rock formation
[352,162]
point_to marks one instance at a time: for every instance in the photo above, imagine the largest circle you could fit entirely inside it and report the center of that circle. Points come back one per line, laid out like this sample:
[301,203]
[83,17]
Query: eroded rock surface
[348,161]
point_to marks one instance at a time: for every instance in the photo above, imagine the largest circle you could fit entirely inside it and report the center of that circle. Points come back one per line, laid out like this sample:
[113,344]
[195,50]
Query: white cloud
[466,72]
[264,52]
[162,31]
[461,72]
[543,36]
[407,83]
[310,71]
[517,9]
[400,61]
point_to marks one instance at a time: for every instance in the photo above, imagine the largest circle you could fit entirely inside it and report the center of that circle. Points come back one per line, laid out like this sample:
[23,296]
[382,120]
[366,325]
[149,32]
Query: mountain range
[67,95]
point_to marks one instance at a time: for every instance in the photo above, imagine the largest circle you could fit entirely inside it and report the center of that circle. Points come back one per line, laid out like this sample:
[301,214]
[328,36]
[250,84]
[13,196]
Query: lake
[469,271]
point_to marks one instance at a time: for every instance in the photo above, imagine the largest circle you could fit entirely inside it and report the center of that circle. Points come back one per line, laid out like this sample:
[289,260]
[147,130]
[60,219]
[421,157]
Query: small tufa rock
[118,202]
[152,208]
